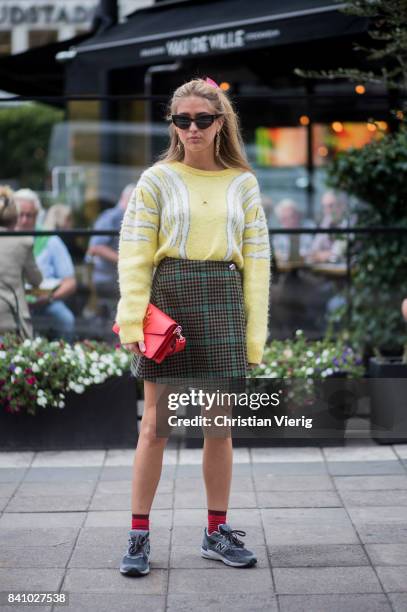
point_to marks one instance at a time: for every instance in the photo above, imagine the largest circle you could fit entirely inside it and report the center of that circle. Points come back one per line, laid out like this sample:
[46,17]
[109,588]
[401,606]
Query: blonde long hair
[231,150]
[8,208]
[56,217]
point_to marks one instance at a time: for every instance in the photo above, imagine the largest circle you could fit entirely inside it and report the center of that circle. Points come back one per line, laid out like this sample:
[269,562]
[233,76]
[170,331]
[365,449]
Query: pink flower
[31,380]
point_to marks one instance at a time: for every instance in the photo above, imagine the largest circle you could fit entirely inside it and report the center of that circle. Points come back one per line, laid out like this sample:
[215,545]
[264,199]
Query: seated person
[291,292]
[55,263]
[325,247]
[291,247]
[103,252]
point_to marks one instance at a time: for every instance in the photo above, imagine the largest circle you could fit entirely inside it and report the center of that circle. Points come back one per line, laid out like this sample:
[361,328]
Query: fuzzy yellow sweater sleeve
[137,246]
[256,271]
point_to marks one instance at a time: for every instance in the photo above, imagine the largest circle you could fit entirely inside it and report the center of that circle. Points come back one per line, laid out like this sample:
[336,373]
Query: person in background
[103,252]
[267,204]
[55,263]
[17,265]
[404,309]
[291,247]
[59,216]
[291,291]
[325,248]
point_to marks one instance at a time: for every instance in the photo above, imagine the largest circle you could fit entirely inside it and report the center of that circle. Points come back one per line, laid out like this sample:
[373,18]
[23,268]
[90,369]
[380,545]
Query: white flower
[61,404]
[27,343]
[3,354]
[35,367]
[41,361]
[18,371]
[310,354]
[41,392]
[309,371]
[42,401]
[17,359]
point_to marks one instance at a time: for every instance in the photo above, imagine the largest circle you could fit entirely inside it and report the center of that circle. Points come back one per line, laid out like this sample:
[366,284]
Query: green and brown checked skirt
[206,298]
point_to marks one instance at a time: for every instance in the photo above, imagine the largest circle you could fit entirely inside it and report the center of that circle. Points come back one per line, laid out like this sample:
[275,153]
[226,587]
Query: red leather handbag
[162,335]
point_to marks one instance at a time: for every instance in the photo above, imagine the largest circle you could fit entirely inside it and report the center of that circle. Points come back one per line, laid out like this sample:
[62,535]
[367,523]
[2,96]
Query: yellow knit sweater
[183,212]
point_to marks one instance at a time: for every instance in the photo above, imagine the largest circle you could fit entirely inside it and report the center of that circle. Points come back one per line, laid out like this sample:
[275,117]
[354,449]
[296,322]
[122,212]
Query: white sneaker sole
[132,571]
[211,554]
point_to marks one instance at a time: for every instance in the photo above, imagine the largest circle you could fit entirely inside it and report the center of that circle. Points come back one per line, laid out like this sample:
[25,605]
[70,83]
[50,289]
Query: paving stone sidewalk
[329,526]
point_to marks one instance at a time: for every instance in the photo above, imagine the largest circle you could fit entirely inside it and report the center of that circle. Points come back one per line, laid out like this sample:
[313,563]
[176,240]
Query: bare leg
[217,470]
[148,458]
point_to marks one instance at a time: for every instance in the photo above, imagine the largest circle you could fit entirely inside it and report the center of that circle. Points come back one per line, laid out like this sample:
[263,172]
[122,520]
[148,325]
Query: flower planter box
[388,400]
[104,416]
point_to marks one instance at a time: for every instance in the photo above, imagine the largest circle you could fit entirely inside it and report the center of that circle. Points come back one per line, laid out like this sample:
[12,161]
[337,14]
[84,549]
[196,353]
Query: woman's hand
[138,348]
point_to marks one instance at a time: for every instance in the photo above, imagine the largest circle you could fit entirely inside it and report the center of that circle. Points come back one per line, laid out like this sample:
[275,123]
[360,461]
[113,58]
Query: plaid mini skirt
[206,299]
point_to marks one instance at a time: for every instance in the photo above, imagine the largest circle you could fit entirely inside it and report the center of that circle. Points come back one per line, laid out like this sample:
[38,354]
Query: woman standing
[194,242]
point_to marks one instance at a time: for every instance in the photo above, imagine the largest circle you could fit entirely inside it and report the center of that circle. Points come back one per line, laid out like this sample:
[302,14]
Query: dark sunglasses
[201,121]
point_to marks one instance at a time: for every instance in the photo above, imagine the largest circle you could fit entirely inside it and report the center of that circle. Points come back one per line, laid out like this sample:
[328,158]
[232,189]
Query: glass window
[5,43]
[340,135]
[37,38]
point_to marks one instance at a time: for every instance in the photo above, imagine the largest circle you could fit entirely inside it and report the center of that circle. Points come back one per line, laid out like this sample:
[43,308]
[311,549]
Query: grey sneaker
[136,562]
[223,545]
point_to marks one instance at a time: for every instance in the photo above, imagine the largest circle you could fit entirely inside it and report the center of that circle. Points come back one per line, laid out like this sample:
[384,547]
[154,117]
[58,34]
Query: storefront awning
[37,72]
[184,30]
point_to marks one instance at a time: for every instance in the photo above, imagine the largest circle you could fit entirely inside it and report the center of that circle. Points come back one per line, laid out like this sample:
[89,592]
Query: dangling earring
[217,144]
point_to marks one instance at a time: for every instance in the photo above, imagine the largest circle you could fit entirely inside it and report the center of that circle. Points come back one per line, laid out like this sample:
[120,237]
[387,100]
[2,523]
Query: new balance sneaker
[136,562]
[223,545]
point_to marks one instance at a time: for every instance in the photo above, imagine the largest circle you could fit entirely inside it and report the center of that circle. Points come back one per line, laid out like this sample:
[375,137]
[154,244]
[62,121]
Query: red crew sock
[140,521]
[215,518]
